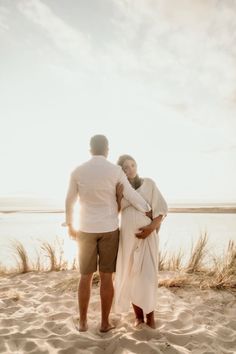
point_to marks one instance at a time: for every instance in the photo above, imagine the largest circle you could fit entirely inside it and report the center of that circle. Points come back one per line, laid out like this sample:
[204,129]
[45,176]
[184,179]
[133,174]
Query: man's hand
[119,194]
[119,191]
[72,232]
[145,231]
[149,214]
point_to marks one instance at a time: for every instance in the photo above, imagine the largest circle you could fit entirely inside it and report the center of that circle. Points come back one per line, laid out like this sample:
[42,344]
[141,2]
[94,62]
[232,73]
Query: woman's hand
[153,226]
[145,231]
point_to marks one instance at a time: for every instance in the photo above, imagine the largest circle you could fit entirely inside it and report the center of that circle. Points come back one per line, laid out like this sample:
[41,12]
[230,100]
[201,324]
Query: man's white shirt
[94,184]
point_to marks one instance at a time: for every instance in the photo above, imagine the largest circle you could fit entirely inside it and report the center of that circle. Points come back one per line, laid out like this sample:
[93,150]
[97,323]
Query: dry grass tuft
[175,261]
[178,281]
[55,256]
[20,253]
[223,275]
[162,260]
[198,253]
[72,283]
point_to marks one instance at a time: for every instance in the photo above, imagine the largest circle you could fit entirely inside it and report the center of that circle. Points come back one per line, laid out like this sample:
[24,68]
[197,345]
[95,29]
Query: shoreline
[201,210]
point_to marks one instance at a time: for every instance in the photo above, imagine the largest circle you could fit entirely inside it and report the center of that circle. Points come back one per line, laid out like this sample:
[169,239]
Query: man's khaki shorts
[98,248]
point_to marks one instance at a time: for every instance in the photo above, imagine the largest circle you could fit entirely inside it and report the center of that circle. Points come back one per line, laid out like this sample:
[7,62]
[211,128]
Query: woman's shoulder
[149,181]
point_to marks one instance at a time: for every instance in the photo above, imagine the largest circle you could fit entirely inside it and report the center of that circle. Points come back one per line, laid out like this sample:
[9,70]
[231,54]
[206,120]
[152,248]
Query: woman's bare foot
[150,320]
[138,321]
[106,328]
[139,317]
[151,324]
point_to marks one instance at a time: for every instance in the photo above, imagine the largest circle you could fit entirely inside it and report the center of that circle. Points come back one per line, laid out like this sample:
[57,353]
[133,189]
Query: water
[179,231]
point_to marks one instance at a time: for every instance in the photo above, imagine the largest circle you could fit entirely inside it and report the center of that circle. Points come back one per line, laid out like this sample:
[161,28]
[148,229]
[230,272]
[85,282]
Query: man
[94,183]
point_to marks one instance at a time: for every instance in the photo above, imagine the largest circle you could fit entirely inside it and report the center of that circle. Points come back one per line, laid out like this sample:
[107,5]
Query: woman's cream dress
[137,260]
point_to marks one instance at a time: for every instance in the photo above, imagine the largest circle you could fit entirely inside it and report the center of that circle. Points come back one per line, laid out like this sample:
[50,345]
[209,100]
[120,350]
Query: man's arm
[71,197]
[132,196]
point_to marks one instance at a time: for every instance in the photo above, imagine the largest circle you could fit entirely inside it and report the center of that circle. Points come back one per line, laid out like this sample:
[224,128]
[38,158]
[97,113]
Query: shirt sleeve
[71,197]
[132,196]
[159,205]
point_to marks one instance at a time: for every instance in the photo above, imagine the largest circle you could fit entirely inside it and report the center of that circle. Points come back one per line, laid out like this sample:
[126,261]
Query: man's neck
[103,156]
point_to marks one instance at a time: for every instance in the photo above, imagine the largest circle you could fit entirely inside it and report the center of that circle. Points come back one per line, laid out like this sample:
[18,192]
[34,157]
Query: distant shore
[210,210]
[215,210]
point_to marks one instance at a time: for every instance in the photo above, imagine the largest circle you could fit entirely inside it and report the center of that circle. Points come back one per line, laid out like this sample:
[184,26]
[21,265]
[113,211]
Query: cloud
[64,37]
[186,46]
[3,19]
[228,148]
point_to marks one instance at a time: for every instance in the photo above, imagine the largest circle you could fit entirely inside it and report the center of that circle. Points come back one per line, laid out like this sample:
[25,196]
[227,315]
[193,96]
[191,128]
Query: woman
[137,260]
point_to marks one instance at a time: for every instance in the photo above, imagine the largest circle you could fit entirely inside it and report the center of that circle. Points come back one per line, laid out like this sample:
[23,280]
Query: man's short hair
[99,144]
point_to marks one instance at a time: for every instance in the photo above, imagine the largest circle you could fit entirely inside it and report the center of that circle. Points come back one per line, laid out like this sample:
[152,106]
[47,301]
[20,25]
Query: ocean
[179,231]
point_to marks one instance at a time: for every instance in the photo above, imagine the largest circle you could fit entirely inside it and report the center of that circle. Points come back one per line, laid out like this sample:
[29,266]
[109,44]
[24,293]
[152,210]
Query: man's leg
[106,293]
[83,299]
[107,250]
[88,265]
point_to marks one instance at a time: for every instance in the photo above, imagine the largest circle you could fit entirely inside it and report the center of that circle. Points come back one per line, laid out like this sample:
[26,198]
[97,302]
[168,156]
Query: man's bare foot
[138,321]
[83,326]
[106,328]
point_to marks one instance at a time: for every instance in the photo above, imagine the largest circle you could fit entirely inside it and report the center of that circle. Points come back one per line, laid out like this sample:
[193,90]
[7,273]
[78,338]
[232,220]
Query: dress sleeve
[131,195]
[159,205]
[124,203]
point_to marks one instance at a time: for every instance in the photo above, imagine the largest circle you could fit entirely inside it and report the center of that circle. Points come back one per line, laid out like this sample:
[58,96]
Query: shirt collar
[98,157]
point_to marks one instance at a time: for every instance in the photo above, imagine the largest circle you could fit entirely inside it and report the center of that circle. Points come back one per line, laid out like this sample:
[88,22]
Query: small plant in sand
[162,260]
[3,269]
[223,275]
[176,281]
[195,263]
[71,284]
[37,264]
[55,255]
[20,254]
[174,262]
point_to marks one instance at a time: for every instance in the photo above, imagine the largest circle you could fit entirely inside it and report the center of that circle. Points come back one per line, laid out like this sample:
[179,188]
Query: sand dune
[35,317]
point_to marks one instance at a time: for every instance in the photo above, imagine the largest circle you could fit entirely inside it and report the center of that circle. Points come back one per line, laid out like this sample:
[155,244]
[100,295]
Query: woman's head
[128,165]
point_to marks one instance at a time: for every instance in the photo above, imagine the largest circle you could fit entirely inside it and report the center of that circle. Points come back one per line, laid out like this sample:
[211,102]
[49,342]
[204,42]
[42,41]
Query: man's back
[94,182]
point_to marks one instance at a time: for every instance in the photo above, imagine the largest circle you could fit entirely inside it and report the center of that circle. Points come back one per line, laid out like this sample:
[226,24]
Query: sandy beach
[36,316]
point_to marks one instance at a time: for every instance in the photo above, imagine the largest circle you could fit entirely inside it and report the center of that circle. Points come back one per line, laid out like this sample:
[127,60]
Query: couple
[103,190]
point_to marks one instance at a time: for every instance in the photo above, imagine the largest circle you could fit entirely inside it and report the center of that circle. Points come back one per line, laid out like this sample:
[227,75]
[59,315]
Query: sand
[35,317]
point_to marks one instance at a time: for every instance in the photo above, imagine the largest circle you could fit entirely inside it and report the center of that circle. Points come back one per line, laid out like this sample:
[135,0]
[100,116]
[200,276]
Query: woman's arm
[147,230]
[159,208]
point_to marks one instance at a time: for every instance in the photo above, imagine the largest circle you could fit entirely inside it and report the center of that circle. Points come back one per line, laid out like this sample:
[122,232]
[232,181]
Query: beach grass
[220,273]
[197,256]
[21,257]
[55,256]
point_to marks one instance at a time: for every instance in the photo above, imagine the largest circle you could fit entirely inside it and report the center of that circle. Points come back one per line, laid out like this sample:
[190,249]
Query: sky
[157,77]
